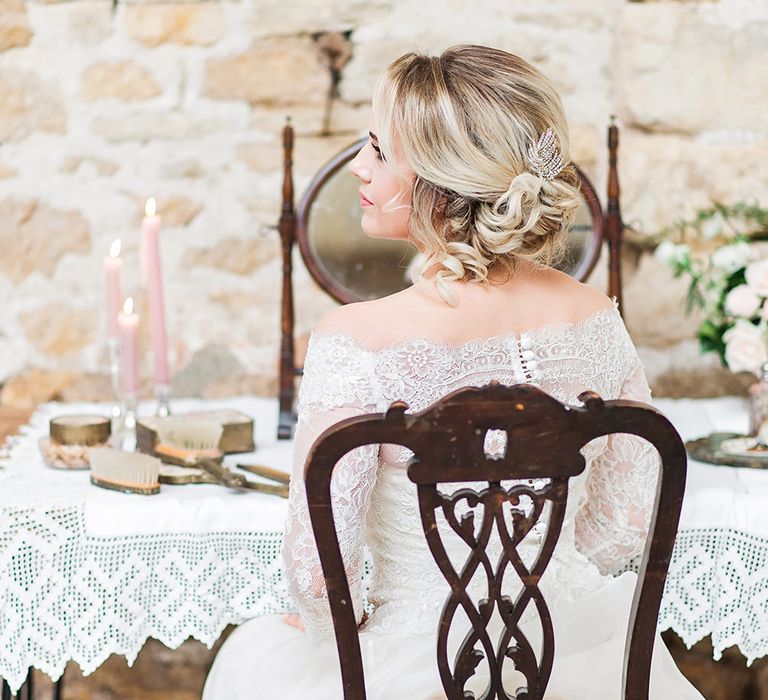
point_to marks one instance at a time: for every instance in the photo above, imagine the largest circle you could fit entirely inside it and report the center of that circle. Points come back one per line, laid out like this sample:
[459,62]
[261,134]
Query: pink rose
[757,277]
[745,347]
[742,301]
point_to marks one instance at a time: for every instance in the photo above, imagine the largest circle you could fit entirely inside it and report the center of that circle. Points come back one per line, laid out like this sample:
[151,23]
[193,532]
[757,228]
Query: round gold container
[80,430]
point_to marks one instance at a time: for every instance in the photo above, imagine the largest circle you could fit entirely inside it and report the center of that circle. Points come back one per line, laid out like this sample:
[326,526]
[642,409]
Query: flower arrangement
[723,251]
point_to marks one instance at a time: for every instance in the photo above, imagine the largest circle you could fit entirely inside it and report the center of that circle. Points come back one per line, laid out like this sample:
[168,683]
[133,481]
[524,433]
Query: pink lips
[364,201]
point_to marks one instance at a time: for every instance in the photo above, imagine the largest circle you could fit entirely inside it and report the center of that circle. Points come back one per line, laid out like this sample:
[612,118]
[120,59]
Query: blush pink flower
[742,301]
[745,347]
[757,277]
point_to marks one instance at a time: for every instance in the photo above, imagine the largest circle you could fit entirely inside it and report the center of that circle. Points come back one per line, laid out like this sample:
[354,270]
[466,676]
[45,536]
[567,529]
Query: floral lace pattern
[374,503]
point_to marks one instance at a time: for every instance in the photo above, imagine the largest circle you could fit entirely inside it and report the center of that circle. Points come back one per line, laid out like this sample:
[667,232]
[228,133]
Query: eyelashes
[379,154]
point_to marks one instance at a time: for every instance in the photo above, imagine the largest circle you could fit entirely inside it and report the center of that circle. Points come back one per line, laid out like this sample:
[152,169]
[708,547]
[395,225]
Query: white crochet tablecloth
[85,572]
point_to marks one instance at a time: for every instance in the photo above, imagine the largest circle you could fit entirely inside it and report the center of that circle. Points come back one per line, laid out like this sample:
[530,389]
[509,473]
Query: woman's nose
[358,169]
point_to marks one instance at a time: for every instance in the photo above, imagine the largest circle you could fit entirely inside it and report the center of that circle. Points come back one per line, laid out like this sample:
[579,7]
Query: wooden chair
[351,267]
[448,444]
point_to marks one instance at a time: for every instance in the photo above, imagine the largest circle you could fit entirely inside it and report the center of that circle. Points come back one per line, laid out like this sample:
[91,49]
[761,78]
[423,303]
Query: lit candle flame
[150,209]
[128,306]
[114,249]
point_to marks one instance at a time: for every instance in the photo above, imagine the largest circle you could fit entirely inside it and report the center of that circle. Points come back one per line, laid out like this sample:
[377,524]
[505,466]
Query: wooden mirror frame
[293,227]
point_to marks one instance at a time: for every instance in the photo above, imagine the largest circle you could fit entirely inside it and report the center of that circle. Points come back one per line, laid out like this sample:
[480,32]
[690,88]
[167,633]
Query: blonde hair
[464,122]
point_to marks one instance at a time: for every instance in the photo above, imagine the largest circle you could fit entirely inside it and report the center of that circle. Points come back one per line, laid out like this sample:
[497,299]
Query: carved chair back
[355,274]
[544,439]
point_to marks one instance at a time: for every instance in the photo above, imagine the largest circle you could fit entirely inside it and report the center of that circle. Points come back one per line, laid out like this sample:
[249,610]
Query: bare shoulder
[579,300]
[369,323]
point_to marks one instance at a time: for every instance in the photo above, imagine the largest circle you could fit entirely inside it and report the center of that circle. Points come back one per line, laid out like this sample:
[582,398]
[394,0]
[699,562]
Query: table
[718,578]
[85,572]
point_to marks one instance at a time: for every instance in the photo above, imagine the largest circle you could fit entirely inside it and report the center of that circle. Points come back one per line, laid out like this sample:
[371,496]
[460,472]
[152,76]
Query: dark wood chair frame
[543,442]
[293,227]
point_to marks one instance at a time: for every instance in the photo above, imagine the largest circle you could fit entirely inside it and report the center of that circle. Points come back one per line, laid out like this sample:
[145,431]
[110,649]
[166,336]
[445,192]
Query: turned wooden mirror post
[362,280]
[287,227]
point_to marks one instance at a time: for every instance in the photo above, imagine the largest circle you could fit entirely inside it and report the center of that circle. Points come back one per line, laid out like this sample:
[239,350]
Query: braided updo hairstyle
[464,122]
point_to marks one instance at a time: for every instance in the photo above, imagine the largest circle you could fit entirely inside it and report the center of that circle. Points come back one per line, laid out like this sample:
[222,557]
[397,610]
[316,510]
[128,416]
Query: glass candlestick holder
[116,410]
[163,397]
[127,433]
[758,402]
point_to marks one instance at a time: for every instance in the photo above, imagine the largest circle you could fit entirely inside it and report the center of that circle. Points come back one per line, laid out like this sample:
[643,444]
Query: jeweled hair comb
[545,158]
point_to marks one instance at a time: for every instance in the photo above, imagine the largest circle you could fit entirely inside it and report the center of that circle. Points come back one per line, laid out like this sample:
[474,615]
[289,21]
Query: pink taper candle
[113,266]
[128,323]
[153,280]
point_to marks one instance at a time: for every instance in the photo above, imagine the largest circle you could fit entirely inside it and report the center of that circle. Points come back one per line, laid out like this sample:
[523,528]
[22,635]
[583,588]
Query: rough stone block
[175,23]
[684,67]
[28,104]
[307,119]
[161,126]
[126,81]
[185,168]
[585,149]
[177,210]
[101,166]
[59,329]
[235,255]
[34,386]
[269,17]
[309,154]
[89,21]
[212,364]
[14,25]
[265,158]
[34,236]
[665,178]
[657,320]
[274,71]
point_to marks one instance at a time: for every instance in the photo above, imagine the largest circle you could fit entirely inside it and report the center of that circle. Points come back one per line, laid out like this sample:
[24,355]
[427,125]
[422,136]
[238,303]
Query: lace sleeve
[337,384]
[612,523]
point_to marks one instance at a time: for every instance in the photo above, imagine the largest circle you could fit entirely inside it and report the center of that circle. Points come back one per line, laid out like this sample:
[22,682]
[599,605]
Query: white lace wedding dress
[375,503]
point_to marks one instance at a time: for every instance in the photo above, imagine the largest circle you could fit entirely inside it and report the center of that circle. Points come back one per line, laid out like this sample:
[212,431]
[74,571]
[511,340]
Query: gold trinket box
[70,438]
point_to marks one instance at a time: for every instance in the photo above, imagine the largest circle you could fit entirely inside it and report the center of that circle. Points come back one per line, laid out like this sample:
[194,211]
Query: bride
[467,159]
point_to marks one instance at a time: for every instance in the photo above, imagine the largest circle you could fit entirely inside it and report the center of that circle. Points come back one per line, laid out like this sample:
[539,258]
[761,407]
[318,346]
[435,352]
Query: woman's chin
[370,229]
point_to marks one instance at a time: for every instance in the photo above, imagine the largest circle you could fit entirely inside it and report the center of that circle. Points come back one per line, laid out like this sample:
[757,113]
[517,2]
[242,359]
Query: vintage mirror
[351,267]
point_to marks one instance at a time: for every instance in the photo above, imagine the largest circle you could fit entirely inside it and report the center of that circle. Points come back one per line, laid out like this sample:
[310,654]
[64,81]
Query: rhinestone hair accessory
[545,158]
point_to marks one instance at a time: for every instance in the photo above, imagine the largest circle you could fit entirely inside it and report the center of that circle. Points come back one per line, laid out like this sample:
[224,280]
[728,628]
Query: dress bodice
[374,501]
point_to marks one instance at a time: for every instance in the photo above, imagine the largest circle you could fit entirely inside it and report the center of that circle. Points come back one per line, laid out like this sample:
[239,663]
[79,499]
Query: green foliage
[738,221]
[713,250]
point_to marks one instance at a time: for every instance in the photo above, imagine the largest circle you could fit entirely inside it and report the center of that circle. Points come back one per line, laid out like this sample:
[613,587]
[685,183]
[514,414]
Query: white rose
[672,253]
[757,277]
[745,347]
[730,258]
[765,309]
[712,227]
[742,301]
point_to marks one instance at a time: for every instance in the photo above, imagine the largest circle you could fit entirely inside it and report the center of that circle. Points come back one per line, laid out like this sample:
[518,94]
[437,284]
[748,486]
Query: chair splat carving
[521,497]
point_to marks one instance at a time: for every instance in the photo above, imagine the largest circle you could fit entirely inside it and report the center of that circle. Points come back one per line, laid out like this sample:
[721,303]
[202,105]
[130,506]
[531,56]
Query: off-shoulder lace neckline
[544,331]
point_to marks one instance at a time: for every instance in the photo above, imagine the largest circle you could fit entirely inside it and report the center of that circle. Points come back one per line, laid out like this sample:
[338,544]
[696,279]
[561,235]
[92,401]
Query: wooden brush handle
[222,474]
[271,489]
[267,472]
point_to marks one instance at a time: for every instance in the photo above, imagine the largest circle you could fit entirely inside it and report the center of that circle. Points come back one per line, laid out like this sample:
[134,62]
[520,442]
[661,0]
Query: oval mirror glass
[368,268]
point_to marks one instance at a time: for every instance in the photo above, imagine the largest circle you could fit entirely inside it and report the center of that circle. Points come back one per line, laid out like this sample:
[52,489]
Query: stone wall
[104,103]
